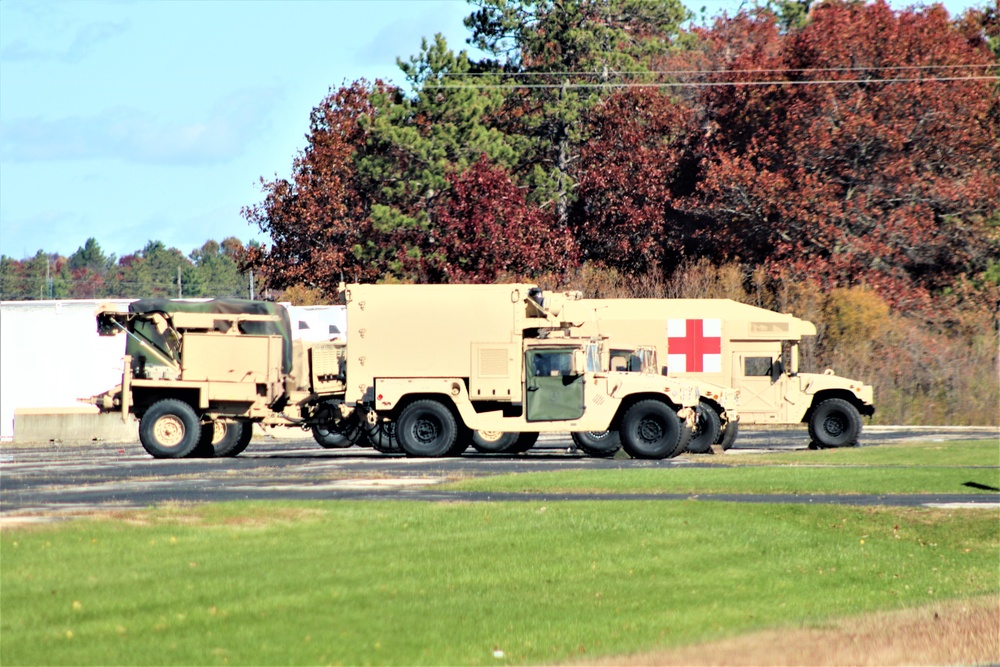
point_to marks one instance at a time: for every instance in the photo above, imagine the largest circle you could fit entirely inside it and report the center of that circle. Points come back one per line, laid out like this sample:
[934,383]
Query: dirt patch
[966,632]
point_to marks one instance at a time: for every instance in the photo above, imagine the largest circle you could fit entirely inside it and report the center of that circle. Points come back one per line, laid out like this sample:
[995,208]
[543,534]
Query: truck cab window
[757,366]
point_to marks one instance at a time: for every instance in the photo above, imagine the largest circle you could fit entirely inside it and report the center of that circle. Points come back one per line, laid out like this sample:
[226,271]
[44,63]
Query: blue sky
[135,120]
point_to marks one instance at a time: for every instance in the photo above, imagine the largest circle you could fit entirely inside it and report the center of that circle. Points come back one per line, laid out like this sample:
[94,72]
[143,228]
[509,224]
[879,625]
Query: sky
[136,120]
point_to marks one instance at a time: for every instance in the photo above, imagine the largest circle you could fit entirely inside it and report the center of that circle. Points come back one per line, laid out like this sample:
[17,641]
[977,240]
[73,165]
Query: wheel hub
[650,430]
[169,431]
[834,425]
[425,431]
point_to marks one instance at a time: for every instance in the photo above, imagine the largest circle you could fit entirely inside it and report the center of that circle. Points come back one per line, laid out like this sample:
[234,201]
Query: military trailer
[425,368]
[441,362]
[753,350]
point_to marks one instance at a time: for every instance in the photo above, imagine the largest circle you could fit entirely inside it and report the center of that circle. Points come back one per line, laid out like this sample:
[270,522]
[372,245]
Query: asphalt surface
[58,480]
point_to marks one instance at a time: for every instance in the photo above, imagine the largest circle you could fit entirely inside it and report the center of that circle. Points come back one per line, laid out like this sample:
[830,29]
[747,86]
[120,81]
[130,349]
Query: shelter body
[753,350]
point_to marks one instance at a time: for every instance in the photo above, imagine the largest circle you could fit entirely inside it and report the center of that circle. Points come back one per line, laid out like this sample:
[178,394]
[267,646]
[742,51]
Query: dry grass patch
[964,632]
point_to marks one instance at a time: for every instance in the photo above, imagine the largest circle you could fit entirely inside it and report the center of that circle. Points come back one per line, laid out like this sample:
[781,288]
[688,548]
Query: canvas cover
[282,327]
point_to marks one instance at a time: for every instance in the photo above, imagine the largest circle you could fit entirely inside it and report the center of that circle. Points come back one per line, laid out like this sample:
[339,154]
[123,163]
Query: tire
[524,442]
[651,430]
[728,435]
[493,442]
[426,428]
[381,436]
[835,423]
[242,442]
[600,444]
[463,439]
[708,430]
[170,429]
[337,435]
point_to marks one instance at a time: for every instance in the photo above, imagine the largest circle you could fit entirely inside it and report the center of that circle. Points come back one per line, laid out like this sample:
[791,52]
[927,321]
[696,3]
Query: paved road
[60,480]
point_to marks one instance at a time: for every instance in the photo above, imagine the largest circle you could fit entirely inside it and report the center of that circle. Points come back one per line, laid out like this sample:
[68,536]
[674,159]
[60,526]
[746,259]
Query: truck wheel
[338,435]
[242,442]
[707,431]
[835,423]
[601,444]
[493,442]
[426,428]
[170,429]
[728,435]
[651,430]
[381,437]
[524,442]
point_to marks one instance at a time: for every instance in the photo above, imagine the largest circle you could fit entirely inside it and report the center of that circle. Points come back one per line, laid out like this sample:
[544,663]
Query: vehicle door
[553,387]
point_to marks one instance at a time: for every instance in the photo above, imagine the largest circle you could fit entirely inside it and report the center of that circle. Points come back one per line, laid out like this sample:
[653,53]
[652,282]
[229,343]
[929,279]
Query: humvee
[753,350]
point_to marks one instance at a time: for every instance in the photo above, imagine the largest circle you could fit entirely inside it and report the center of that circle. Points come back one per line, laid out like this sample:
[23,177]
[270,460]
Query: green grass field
[919,468]
[469,583]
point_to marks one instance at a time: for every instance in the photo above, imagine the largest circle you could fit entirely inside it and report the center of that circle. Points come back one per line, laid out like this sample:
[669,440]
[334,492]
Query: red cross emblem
[694,346]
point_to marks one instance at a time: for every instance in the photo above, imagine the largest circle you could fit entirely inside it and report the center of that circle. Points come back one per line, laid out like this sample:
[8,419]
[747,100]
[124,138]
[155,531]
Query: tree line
[843,143]
[213,270]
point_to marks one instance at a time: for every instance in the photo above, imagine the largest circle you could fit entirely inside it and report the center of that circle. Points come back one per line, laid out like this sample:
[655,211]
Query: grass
[436,583]
[899,469]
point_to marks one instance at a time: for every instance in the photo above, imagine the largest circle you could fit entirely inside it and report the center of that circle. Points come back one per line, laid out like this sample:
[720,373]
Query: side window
[757,366]
[553,363]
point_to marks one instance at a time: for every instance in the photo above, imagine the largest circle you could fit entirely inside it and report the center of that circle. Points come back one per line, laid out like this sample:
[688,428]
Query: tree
[484,236]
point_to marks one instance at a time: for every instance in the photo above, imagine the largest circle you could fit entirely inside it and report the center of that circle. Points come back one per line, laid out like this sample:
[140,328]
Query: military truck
[424,367]
[753,350]
[441,362]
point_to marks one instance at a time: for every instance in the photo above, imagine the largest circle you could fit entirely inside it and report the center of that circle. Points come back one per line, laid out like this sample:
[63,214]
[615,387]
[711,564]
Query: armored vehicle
[753,350]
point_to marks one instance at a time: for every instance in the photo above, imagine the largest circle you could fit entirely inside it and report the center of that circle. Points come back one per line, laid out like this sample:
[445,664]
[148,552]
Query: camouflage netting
[282,327]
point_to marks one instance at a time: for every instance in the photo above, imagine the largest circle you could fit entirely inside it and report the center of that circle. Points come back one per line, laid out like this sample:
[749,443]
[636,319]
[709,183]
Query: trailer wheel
[707,431]
[524,442]
[600,444]
[338,431]
[728,435]
[426,428]
[493,442]
[381,436]
[169,429]
[835,423]
[242,441]
[651,430]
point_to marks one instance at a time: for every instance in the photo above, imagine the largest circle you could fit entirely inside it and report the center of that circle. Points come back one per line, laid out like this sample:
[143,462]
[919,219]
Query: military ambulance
[752,350]
[424,367]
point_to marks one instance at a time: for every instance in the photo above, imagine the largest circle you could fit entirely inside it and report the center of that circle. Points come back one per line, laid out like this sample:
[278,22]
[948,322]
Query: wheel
[835,423]
[380,436]
[463,438]
[333,429]
[219,438]
[241,443]
[493,442]
[602,444]
[728,435]
[707,431]
[651,430]
[524,442]
[170,429]
[426,428]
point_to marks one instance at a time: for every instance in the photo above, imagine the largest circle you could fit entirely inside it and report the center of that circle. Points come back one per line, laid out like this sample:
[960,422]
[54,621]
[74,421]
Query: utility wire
[703,84]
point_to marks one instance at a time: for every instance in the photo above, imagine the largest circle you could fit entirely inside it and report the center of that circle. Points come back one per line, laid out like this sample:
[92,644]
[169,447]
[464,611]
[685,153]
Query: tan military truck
[753,350]
[198,374]
[440,362]
[425,366]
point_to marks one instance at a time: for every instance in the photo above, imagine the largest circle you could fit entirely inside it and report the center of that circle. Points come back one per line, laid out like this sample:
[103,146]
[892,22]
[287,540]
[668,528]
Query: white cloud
[133,135]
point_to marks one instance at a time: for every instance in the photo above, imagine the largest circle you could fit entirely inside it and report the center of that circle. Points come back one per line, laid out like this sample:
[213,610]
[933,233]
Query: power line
[703,72]
[705,84]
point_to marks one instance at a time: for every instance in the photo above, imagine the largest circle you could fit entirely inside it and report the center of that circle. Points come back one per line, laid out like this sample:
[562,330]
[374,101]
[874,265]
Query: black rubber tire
[525,441]
[728,435]
[426,428]
[707,432]
[493,442]
[835,423]
[381,436]
[600,444]
[651,430]
[242,442]
[169,429]
[338,431]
